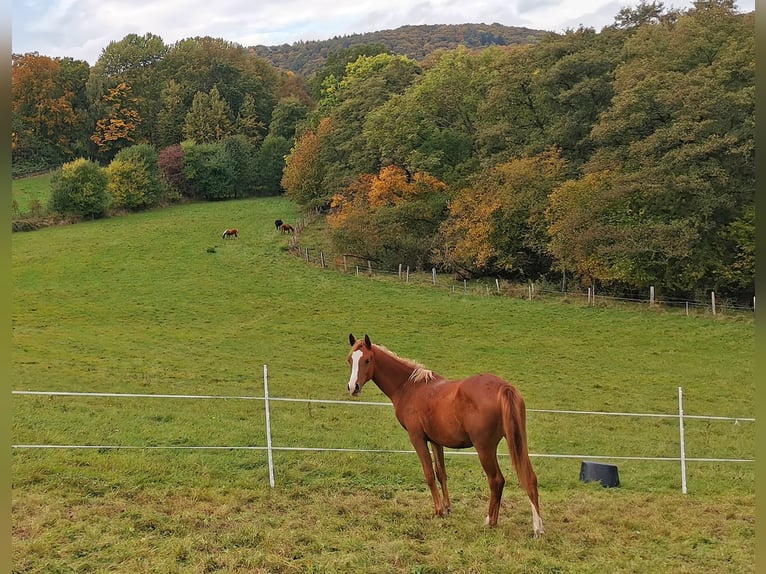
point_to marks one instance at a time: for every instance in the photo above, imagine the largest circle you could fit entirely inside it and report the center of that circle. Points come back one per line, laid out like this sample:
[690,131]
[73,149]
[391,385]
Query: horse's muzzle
[355,391]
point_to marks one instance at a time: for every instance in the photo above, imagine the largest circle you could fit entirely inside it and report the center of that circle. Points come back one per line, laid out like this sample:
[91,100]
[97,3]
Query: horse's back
[459,413]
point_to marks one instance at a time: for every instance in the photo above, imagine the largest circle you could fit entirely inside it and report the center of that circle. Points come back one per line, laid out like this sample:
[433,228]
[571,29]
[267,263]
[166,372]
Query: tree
[136,61]
[48,106]
[288,114]
[207,170]
[304,172]
[368,83]
[270,165]
[79,189]
[209,119]
[497,225]
[432,125]
[679,139]
[390,217]
[198,64]
[247,123]
[117,129]
[171,116]
[240,154]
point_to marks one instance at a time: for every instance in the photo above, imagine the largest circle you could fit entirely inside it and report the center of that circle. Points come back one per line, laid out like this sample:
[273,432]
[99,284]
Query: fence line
[270,448]
[532,290]
[369,403]
[358,450]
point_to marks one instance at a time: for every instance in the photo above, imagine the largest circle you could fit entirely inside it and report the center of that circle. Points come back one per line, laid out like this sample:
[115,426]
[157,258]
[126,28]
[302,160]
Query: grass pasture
[157,303]
[31,195]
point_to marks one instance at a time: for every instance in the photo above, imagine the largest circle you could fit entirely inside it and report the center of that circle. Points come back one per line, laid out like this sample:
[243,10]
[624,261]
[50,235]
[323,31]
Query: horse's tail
[515,430]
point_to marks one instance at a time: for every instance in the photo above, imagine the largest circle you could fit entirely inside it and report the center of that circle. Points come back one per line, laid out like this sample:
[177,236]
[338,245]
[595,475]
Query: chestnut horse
[228,233]
[286,228]
[477,411]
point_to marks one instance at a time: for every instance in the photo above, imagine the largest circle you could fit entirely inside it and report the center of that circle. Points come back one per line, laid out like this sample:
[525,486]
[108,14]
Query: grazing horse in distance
[229,233]
[278,223]
[477,411]
[286,228]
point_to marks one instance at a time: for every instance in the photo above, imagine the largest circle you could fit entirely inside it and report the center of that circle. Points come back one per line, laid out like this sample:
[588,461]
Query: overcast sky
[81,29]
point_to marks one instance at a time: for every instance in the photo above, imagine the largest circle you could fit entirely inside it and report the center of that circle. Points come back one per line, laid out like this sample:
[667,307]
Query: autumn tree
[49,106]
[117,129]
[136,61]
[304,172]
[390,217]
[497,224]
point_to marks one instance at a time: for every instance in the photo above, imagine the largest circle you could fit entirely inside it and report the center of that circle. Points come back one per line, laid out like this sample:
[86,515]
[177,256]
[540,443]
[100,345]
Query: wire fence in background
[362,266]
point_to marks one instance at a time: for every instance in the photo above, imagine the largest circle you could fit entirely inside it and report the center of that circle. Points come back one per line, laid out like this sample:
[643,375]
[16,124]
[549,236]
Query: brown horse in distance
[477,411]
[286,228]
[230,233]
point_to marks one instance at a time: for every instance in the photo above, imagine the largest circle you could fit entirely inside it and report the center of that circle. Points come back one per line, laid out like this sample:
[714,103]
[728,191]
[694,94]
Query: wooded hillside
[415,42]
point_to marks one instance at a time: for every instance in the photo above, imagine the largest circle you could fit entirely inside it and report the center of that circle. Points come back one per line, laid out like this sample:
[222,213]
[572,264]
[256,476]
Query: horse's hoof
[539,534]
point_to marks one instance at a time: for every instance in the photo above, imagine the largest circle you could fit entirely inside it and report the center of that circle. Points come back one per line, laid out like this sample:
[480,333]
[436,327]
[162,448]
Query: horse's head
[361,361]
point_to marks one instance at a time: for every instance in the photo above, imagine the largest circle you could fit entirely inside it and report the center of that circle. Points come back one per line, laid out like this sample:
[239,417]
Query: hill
[415,42]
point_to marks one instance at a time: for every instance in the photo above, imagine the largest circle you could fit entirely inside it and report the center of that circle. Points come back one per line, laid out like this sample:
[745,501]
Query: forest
[619,158]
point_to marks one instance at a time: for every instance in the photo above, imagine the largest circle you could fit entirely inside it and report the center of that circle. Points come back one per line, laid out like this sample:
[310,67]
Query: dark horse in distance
[477,411]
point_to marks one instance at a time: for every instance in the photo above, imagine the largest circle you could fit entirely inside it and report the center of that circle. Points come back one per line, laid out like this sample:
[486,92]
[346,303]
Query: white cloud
[82,28]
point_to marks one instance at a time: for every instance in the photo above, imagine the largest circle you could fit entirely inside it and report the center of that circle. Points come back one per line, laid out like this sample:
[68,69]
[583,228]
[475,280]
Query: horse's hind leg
[496,480]
[441,474]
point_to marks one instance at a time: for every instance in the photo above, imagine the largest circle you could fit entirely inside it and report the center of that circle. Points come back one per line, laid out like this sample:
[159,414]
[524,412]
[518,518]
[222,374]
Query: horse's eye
[367,361]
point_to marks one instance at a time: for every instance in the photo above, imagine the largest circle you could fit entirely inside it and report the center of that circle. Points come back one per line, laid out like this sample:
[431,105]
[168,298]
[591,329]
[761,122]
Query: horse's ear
[351,339]
[367,342]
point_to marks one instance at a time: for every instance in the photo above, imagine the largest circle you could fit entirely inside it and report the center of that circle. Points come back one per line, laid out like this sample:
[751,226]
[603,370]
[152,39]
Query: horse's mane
[419,372]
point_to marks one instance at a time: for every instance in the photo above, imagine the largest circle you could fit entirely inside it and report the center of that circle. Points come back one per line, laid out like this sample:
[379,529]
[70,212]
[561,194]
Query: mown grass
[158,303]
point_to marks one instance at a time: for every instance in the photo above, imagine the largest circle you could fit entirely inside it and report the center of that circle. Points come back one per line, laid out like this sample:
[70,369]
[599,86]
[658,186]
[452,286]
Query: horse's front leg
[441,474]
[421,447]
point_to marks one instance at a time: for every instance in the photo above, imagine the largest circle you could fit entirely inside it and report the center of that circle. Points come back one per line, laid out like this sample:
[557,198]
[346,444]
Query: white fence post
[268,423]
[683,444]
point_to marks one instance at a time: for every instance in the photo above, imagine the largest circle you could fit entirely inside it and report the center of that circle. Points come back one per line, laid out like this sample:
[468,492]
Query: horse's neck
[391,374]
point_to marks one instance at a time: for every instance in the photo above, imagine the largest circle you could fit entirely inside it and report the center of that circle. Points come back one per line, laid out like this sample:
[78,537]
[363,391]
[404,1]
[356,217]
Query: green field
[158,303]
[31,194]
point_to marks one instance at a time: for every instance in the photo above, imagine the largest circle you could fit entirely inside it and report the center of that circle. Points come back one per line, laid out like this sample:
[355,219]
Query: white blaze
[355,357]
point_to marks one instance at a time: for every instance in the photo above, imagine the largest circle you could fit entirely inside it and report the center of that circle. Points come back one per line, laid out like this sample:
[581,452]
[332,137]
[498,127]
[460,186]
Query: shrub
[207,170]
[171,166]
[79,189]
[134,178]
